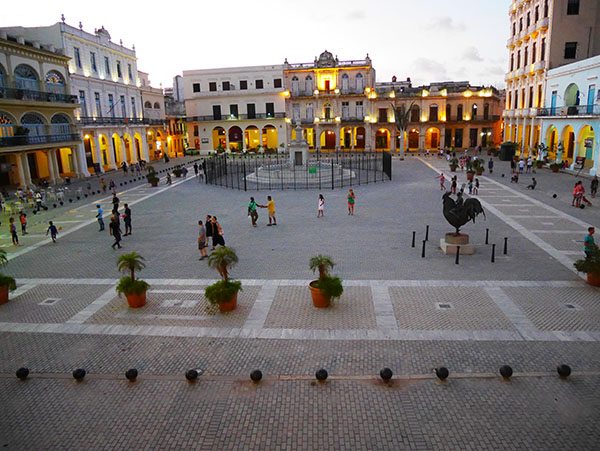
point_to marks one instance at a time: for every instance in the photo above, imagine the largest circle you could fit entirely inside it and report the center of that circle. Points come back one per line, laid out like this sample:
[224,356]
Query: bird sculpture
[458,212]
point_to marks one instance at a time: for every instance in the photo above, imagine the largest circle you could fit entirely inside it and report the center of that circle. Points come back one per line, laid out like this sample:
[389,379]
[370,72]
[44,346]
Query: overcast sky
[433,40]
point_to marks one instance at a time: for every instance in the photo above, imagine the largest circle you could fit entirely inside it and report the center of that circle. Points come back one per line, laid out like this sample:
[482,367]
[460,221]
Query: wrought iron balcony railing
[25,140]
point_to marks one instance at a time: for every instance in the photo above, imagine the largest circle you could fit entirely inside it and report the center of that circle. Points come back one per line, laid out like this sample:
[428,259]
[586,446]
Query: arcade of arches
[250,138]
[568,141]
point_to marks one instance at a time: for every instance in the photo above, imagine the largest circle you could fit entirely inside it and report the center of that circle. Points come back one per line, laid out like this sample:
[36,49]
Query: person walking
[594,186]
[99,216]
[23,220]
[196,169]
[491,165]
[476,187]
[218,234]
[115,230]
[321,207]
[202,245]
[588,242]
[521,165]
[127,219]
[533,184]
[442,180]
[52,230]
[13,231]
[351,201]
[38,201]
[453,184]
[103,185]
[271,210]
[209,230]
[115,202]
[112,186]
[252,213]
[529,165]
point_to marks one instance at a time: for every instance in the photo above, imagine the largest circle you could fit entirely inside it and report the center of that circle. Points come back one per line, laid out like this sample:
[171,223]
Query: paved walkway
[529,309]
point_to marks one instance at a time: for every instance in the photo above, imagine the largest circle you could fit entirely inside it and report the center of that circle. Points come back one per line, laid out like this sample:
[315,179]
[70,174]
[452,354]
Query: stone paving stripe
[94,307]
[382,303]
[260,310]
[514,314]
[563,232]
[23,288]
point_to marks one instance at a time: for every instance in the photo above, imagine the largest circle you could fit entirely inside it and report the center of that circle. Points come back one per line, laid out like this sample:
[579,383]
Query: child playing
[470,187]
[23,219]
[13,231]
[52,230]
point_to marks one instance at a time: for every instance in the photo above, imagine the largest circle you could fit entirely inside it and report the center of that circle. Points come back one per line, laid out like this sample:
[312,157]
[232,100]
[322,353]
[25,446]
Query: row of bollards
[386,374]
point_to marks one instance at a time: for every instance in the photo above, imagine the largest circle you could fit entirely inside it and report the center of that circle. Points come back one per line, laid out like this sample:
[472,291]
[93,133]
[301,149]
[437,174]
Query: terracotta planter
[320,300]
[593,278]
[136,300]
[453,168]
[555,169]
[470,175]
[3,294]
[229,305]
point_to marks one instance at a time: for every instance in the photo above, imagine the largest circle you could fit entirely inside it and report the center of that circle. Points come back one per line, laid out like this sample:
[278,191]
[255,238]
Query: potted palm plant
[151,176]
[7,283]
[134,289]
[478,166]
[591,266]
[453,164]
[224,292]
[555,167]
[326,288]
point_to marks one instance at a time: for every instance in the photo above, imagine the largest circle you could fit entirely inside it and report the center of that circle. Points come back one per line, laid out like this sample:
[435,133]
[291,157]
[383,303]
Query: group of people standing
[114,225]
[212,228]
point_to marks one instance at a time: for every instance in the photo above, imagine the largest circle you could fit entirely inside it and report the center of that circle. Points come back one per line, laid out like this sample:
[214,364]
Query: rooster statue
[459,212]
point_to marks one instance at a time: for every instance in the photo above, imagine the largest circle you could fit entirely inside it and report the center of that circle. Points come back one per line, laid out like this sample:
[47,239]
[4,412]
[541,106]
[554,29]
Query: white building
[241,108]
[105,79]
[571,117]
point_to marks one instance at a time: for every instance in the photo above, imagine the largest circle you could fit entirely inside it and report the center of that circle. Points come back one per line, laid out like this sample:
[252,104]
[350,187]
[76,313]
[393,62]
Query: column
[56,166]
[338,132]
[422,139]
[51,167]
[123,150]
[97,153]
[133,148]
[81,160]
[369,136]
[111,153]
[73,161]
[532,137]
[393,143]
[596,157]
[443,138]
[145,152]
[20,170]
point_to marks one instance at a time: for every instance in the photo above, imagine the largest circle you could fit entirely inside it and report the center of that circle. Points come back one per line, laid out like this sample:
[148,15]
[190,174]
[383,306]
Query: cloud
[446,23]
[431,69]
[357,15]
[472,54]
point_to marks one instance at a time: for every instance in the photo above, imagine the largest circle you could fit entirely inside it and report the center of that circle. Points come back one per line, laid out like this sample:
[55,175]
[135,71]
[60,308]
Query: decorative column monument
[298,149]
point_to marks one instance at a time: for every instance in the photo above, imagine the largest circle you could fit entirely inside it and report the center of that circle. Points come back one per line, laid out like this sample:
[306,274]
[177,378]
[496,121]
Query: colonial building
[177,139]
[571,117]
[104,78]
[38,138]
[544,34]
[153,103]
[240,108]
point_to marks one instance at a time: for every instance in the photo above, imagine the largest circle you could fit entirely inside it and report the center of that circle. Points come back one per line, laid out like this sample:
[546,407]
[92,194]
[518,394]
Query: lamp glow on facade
[467,93]
[392,94]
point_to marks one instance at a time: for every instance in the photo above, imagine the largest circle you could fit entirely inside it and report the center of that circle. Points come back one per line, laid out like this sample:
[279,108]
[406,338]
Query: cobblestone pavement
[529,309]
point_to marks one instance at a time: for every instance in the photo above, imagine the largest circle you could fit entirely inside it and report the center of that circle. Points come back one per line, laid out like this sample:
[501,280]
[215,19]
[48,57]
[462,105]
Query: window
[98,104]
[212,86]
[359,109]
[448,112]
[518,59]
[545,8]
[526,56]
[533,52]
[523,98]
[570,50]
[310,112]
[93,61]
[383,115]
[531,97]
[516,100]
[509,101]
[433,113]
[77,57]
[129,72]
[133,109]
[512,62]
[277,83]
[196,87]
[539,97]
[82,104]
[195,130]
[107,66]
[543,52]
[296,112]
[244,84]
[414,114]
[345,110]
[216,112]
[295,86]
[458,137]
[459,114]
[270,107]
[226,86]
[572,7]
[520,24]
[486,112]
[474,112]
[258,84]
[528,19]
[514,28]
[360,86]
[123,107]
[251,109]
[308,85]
[119,73]
[233,111]
[537,14]
[111,104]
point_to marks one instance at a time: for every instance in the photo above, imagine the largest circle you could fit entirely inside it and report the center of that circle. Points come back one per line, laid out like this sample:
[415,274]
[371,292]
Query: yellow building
[38,138]
[544,34]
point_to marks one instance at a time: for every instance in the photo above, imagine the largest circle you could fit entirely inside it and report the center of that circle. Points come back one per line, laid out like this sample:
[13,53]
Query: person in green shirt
[588,242]
[252,211]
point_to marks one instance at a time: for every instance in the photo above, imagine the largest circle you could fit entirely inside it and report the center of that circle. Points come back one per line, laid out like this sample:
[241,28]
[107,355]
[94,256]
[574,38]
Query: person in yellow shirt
[271,210]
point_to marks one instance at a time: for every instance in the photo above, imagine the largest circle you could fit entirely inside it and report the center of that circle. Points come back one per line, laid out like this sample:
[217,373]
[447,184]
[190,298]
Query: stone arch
[567,138]
[251,137]
[60,124]
[55,82]
[360,137]
[572,95]
[35,123]
[327,139]
[413,139]
[382,139]
[117,147]
[3,76]
[432,138]
[552,141]
[26,77]
[219,138]
[147,104]
[236,138]
[346,137]
[585,142]
[156,106]
[270,137]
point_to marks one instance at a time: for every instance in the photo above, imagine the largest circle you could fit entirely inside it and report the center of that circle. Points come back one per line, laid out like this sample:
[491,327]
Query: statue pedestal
[451,241]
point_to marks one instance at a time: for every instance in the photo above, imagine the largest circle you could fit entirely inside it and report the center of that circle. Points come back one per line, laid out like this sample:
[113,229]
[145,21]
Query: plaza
[528,309]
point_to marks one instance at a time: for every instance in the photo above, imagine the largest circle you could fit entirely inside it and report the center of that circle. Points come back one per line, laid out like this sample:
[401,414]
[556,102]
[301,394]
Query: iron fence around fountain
[277,172]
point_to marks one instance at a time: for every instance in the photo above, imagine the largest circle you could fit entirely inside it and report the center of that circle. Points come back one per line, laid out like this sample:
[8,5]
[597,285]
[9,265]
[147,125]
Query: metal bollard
[487,236]
[423,250]
[413,240]
[493,253]
[457,254]
[427,233]
[505,245]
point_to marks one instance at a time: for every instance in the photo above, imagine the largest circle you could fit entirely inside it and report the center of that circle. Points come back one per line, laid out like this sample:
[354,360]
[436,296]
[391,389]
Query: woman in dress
[202,245]
[218,235]
[321,207]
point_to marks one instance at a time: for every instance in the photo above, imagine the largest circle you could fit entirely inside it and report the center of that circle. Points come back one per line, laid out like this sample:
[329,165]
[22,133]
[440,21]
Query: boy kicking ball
[52,230]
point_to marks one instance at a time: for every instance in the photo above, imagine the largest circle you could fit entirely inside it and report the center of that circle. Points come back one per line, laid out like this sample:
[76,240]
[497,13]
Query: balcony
[543,23]
[352,119]
[14,141]
[539,66]
[239,117]
[36,96]
[85,120]
[570,111]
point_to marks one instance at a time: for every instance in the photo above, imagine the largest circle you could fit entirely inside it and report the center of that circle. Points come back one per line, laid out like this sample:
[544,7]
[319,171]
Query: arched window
[2,76]
[295,85]
[448,112]
[156,106]
[60,124]
[327,111]
[360,85]
[309,85]
[474,112]
[459,114]
[415,114]
[345,83]
[26,78]
[147,104]
[433,113]
[486,111]
[55,82]
[6,125]
[35,123]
